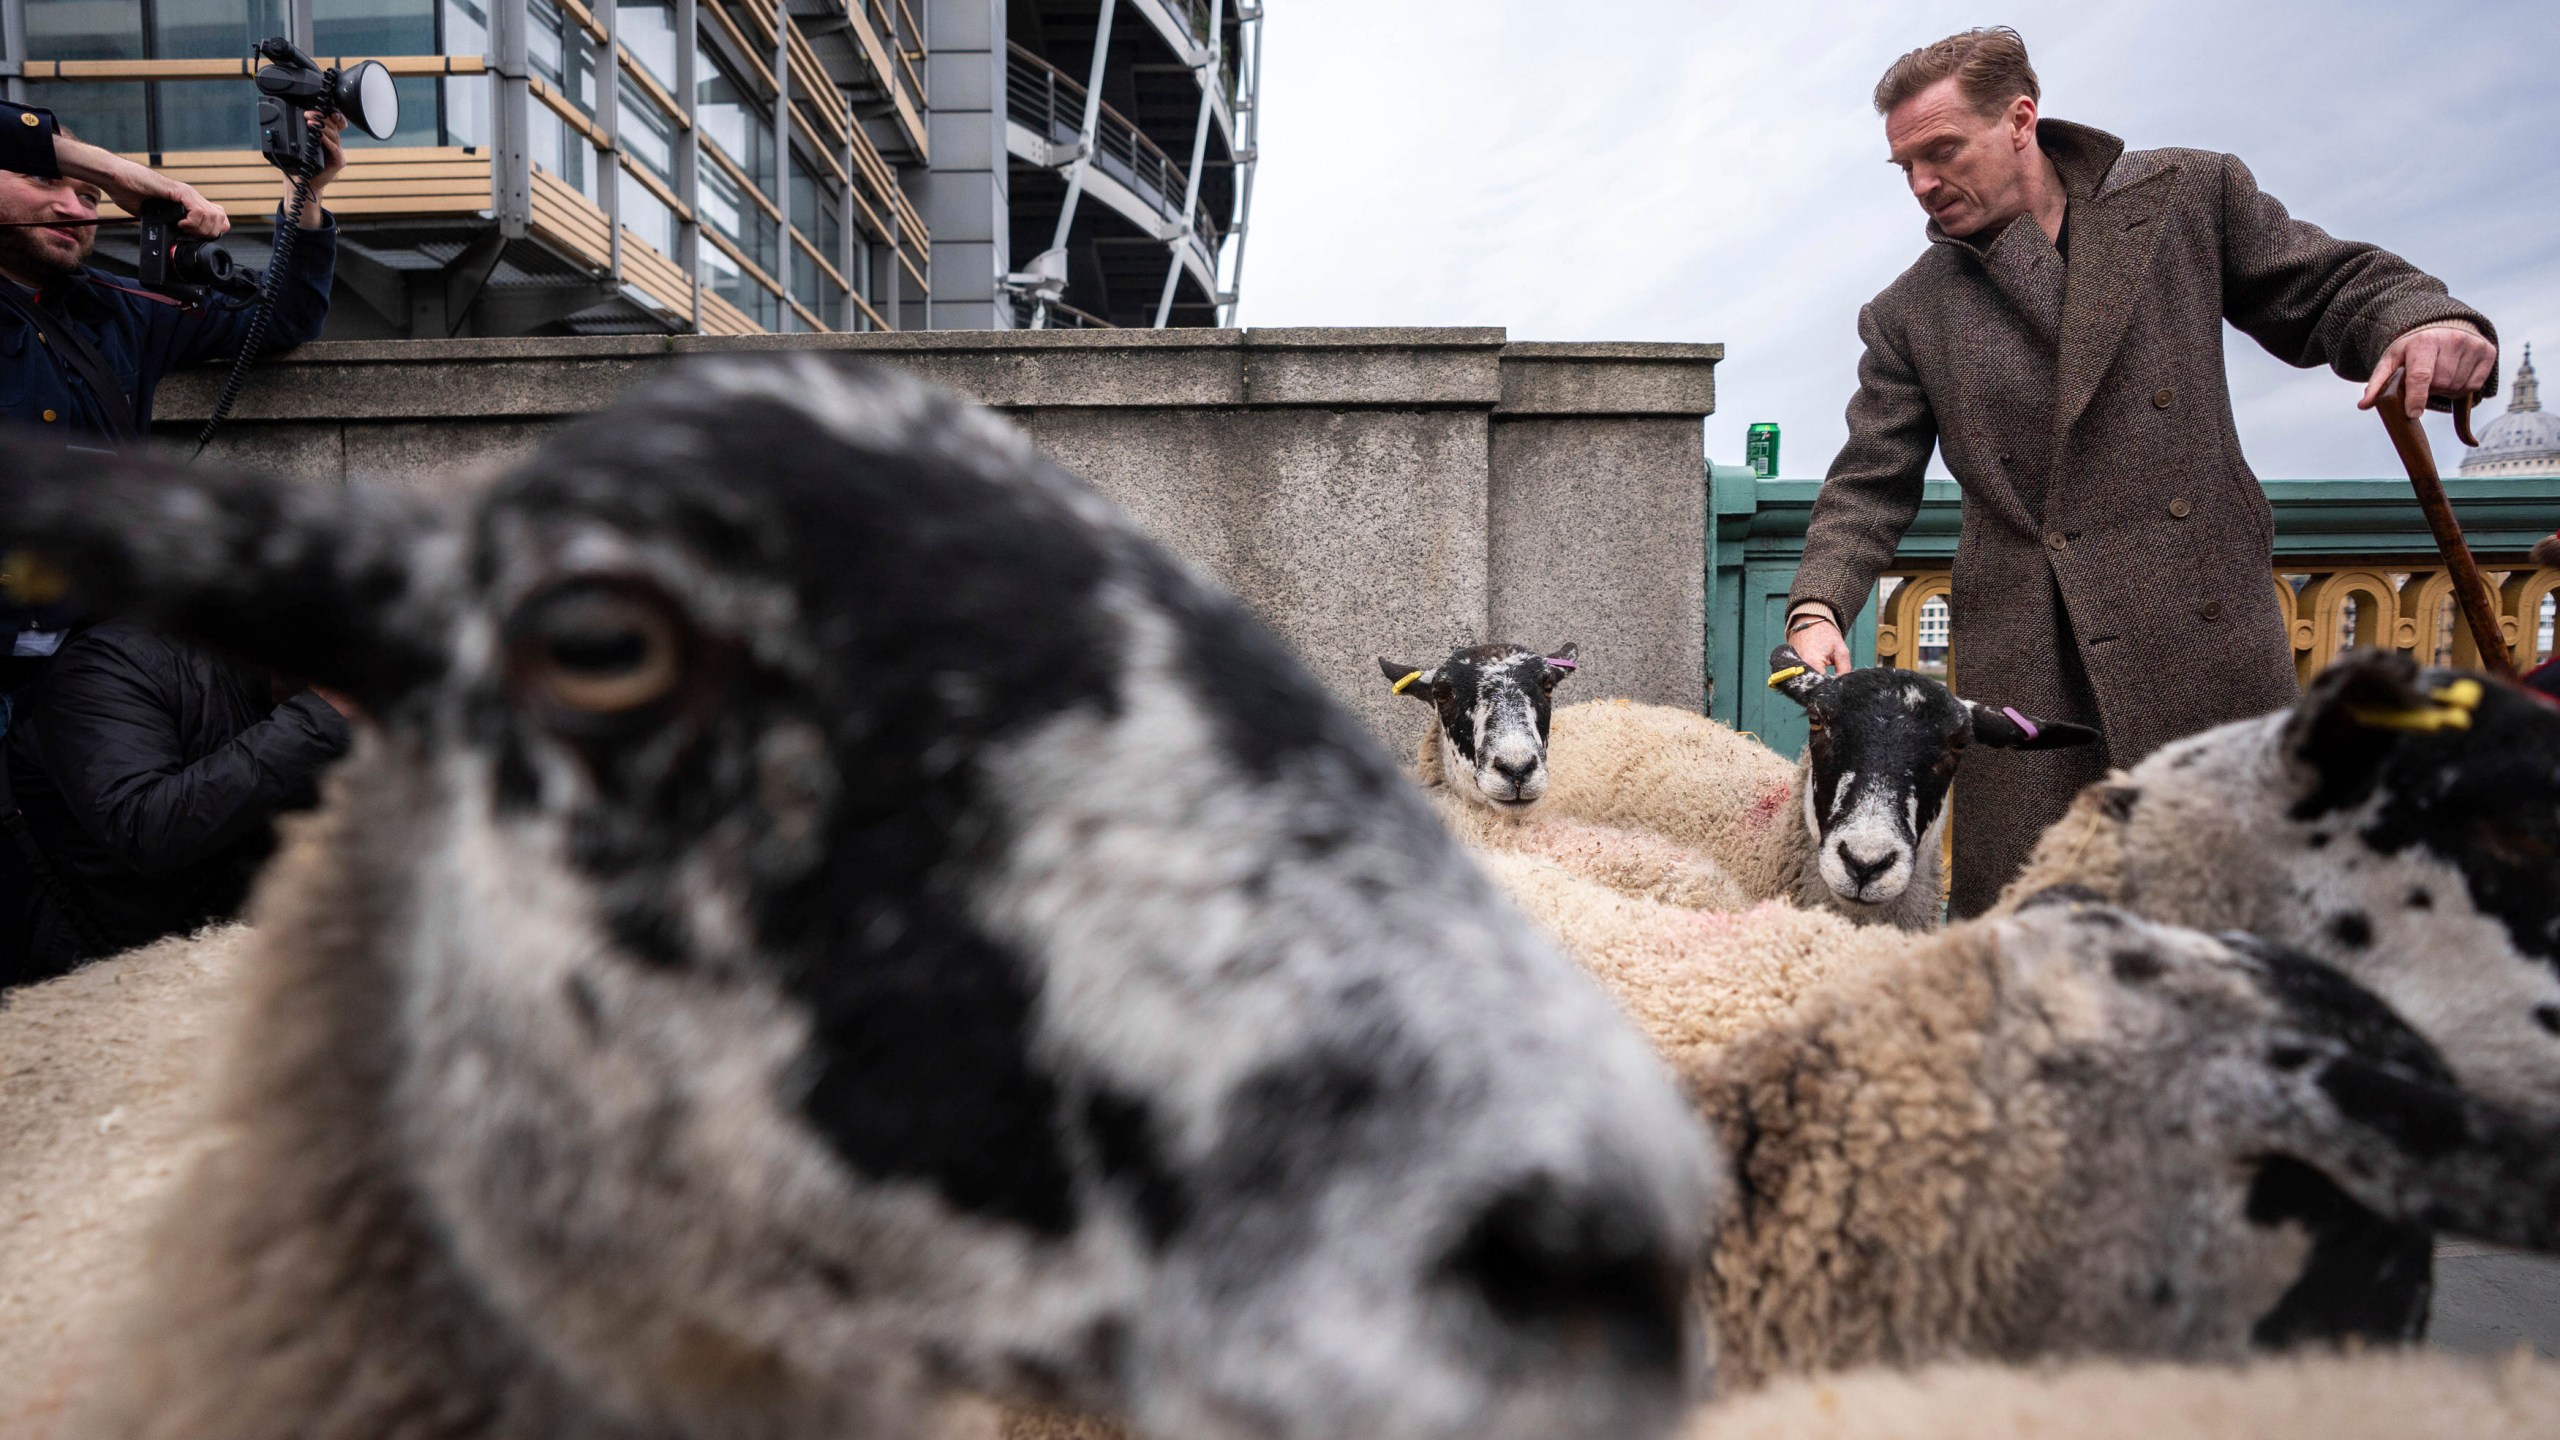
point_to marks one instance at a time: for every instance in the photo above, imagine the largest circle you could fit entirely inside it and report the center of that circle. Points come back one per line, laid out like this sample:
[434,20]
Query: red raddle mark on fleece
[1765,808]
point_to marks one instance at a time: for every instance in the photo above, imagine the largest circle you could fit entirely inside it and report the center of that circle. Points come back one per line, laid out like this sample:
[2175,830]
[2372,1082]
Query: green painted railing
[2328,533]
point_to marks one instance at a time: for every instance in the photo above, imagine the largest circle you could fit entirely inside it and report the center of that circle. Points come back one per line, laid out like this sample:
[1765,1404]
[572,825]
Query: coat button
[2212,610]
[2160,398]
[2055,540]
[48,415]
[2178,508]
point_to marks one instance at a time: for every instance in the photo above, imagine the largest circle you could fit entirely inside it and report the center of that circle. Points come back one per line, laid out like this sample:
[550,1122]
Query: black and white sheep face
[1490,705]
[872,921]
[1883,749]
[2402,824]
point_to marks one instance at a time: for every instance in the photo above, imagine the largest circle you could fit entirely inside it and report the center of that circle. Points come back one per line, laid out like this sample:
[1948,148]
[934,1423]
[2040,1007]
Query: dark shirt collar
[2081,154]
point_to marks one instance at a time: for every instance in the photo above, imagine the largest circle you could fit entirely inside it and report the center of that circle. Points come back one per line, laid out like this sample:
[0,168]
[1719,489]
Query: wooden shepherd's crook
[2470,587]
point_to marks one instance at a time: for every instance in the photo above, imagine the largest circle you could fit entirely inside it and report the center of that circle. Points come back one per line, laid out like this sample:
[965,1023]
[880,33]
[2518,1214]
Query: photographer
[81,353]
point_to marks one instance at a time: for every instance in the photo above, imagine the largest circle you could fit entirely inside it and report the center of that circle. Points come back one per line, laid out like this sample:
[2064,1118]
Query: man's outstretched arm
[1867,500]
[2313,299]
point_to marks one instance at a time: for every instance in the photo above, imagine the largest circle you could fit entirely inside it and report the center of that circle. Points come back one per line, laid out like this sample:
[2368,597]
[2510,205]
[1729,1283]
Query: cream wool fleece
[1628,862]
[2407,1395]
[1695,980]
[103,1105]
[1836,1062]
[1686,778]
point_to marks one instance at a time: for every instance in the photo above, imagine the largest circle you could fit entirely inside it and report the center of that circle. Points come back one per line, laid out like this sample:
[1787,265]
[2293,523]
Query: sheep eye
[597,649]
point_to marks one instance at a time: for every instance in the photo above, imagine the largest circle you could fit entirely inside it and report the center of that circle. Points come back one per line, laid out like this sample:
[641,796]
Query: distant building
[2523,441]
[728,166]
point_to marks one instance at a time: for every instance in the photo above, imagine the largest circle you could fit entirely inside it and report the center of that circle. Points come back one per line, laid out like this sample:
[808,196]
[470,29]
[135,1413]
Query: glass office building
[723,166]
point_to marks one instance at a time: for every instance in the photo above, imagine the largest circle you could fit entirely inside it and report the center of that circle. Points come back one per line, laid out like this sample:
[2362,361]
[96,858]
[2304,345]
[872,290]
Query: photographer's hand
[129,184]
[333,160]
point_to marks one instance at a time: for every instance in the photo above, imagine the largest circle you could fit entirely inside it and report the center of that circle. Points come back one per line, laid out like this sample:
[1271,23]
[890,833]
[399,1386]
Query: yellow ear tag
[1399,687]
[31,579]
[1783,676]
[2452,711]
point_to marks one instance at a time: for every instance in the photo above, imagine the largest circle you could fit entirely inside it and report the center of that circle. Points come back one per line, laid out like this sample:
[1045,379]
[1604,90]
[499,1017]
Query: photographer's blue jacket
[143,336]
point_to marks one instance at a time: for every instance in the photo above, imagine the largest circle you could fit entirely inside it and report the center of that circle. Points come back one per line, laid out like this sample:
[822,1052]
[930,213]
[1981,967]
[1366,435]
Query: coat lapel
[2113,239]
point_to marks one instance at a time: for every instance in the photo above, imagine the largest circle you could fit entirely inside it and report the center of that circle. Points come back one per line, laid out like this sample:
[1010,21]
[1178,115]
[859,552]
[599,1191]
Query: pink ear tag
[1559,664]
[2022,722]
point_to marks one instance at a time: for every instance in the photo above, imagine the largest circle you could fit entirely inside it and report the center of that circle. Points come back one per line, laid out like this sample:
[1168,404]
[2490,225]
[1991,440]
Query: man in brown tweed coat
[2061,343]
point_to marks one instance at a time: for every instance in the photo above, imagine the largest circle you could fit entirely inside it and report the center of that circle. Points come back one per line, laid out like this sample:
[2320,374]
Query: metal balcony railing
[1044,101]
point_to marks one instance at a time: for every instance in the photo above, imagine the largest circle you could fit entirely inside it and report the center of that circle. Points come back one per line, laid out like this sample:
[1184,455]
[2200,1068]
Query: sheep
[1496,701]
[1853,826]
[101,1108]
[2406,1396]
[2062,1131]
[813,926]
[2401,824]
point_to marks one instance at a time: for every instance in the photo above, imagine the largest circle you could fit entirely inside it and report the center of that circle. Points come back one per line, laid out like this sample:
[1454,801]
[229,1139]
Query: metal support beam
[511,117]
[1249,83]
[849,240]
[688,150]
[1088,135]
[1208,73]
[783,259]
[609,159]
[13,45]
[466,275]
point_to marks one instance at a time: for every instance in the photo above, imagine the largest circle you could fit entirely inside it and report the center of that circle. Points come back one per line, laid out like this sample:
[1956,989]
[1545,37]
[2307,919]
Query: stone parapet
[1366,491]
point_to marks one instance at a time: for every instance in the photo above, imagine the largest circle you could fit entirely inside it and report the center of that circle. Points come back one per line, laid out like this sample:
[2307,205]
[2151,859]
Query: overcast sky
[1677,170]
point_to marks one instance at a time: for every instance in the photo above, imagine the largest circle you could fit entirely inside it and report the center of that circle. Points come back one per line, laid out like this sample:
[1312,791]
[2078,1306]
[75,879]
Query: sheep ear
[314,580]
[2351,717]
[1790,676]
[1560,664]
[1406,679]
[2008,728]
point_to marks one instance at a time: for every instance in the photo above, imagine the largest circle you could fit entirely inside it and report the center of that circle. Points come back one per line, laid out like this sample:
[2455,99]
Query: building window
[217,29]
[370,30]
[1932,640]
[176,115]
[734,116]
[466,97]
[646,216]
[729,210]
[647,28]
[644,131]
[562,53]
[723,278]
[816,214]
[84,29]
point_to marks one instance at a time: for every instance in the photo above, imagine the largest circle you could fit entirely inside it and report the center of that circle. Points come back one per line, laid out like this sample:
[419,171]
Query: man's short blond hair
[1989,65]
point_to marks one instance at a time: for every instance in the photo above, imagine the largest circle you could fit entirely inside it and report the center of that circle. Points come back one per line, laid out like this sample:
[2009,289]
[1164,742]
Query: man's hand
[1820,643]
[333,158]
[339,701]
[130,184]
[2448,361]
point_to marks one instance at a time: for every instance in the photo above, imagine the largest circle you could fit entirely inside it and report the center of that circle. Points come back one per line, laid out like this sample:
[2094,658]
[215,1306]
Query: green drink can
[1761,450]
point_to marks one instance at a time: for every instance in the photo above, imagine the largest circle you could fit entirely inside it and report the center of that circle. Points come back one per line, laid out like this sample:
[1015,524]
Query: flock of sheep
[813,940]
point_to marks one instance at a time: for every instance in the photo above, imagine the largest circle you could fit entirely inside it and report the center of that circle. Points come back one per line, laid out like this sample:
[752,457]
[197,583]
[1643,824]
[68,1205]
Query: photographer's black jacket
[151,773]
[143,336]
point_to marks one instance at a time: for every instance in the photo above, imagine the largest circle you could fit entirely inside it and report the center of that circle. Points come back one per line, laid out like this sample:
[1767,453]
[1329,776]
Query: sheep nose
[1518,773]
[1564,1271]
[1863,872]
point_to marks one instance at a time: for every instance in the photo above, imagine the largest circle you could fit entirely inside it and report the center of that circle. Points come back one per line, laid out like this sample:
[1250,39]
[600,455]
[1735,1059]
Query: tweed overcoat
[2115,563]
